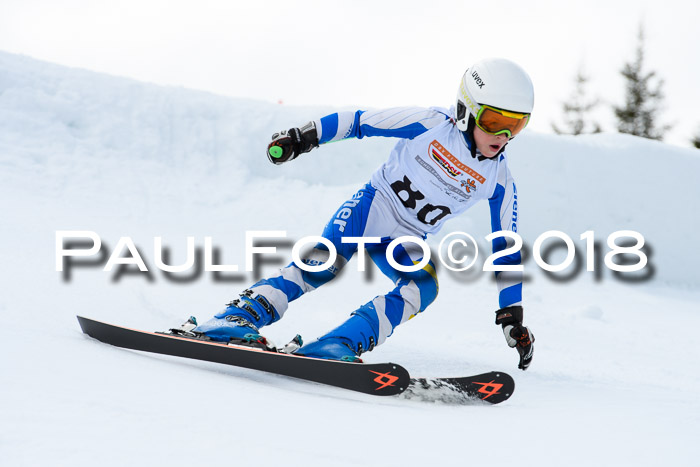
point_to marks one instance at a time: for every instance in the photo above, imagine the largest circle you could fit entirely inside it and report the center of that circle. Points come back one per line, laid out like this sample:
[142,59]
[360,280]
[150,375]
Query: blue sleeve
[503,205]
[399,122]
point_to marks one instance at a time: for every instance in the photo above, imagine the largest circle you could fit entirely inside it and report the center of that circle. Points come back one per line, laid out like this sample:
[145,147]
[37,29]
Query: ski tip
[88,325]
[84,324]
[493,387]
[81,321]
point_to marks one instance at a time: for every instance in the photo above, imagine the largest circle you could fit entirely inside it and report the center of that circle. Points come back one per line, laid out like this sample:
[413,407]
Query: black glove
[517,335]
[288,145]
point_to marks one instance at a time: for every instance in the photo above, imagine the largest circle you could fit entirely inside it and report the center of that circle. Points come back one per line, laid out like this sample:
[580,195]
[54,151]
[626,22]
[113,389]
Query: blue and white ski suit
[429,177]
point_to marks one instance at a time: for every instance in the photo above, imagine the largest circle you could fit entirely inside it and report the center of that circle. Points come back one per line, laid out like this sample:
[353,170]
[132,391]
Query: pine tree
[576,110]
[643,99]
[696,140]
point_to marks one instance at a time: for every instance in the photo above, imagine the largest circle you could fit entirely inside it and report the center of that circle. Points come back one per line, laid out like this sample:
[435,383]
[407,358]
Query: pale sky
[370,53]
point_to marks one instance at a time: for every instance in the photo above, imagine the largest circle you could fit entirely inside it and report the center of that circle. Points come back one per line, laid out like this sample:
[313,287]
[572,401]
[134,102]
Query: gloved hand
[517,335]
[288,145]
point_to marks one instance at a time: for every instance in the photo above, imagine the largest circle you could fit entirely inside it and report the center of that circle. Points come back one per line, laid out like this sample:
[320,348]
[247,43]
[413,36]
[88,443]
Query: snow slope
[612,382]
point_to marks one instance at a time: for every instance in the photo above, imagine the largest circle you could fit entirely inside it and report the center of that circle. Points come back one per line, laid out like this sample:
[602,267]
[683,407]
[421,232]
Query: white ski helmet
[496,82]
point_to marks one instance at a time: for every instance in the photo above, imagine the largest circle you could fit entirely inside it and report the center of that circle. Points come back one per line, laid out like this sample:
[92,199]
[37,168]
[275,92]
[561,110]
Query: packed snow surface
[614,379]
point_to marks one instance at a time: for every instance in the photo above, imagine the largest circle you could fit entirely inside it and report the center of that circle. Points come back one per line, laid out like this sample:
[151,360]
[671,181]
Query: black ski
[381,379]
[492,387]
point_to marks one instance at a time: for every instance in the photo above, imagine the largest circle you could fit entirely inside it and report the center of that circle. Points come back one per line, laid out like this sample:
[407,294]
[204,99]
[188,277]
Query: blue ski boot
[241,320]
[349,340]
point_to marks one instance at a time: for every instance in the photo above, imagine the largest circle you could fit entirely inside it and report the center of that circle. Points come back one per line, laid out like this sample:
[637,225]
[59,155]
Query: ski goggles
[496,121]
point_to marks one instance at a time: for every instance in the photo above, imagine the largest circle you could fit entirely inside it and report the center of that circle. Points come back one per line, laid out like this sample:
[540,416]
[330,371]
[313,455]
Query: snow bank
[75,131]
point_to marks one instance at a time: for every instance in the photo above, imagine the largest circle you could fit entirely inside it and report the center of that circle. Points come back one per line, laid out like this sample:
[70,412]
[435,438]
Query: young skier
[443,163]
